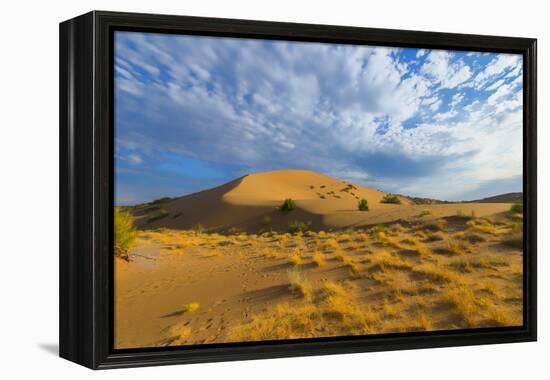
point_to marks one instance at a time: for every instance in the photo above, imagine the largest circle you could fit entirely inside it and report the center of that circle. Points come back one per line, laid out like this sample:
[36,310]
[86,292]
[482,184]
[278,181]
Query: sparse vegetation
[288,205]
[405,275]
[125,233]
[391,198]
[296,226]
[363,205]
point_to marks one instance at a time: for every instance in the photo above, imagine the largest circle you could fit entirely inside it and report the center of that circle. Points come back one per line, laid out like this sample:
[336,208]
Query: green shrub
[288,205]
[198,228]
[159,215]
[160,200]
[517,207]
[363,205]
[298,226]
[125,233]
[390,198]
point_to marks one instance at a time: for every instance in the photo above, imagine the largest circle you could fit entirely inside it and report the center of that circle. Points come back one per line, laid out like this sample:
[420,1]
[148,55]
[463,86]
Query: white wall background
[29,187]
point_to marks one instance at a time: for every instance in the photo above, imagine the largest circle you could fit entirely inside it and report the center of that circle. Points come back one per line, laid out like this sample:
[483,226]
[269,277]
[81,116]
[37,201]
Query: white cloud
[441,69]
[421,53]
[500,64]
[456,99]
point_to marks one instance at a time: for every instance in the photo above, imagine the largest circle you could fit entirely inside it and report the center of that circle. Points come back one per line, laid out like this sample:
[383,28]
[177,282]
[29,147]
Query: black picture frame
[86,189]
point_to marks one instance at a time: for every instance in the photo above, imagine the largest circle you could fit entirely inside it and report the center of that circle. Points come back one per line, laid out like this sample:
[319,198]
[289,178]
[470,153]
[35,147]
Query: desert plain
[232,264]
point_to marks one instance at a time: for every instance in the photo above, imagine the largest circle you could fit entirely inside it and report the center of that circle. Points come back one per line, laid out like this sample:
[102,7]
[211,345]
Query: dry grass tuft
[438,274]
[319,259]
[331,244]
[437,226]
[190,307]
[384,261]
[295,257]
[482,225]
[298,283]
[463,299]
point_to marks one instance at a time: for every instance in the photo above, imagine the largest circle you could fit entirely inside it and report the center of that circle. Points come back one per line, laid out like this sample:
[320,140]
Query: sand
[393,268]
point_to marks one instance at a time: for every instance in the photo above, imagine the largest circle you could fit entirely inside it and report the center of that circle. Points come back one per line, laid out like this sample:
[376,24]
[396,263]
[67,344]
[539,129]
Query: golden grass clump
[295,257]
[438,274]
[384,260]
[190,307]
[298,283]
[453,247]
[363,237]
[482,225]
[331,244]
[319,259]
[343,238]
[270,253]
[322,234]
[424,321]
[331,288]
[463,299]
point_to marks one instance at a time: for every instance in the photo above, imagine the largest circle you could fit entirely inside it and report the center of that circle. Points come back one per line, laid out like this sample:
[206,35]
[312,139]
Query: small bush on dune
[390,198]
[296,226]
[288,205]
[363,205]
[125,233]
[425,212]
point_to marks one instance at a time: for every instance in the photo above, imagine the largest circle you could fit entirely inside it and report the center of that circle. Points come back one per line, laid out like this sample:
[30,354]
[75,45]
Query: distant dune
[502,198]
[252,203]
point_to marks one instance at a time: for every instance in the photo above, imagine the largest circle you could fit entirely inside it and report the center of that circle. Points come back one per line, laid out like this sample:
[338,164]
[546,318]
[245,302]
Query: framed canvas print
[239,189]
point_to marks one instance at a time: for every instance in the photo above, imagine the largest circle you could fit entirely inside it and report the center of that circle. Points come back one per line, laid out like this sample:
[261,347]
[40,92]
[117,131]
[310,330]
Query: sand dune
[252,203]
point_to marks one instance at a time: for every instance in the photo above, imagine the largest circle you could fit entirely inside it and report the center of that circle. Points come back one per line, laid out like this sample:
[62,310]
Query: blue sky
[194,112]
